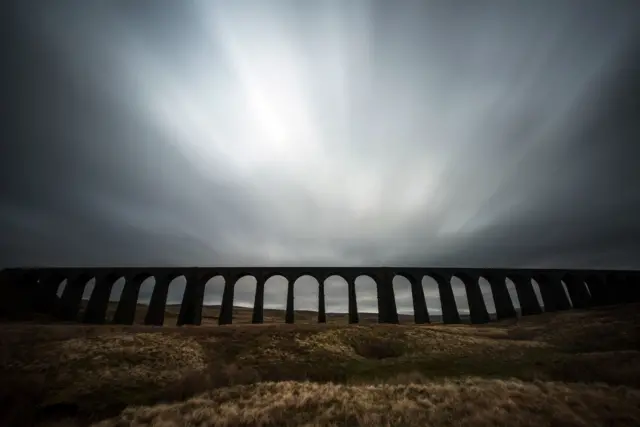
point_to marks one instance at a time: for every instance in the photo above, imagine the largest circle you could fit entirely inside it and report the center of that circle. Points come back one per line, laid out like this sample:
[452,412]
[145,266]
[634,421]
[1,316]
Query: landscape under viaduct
[34,290]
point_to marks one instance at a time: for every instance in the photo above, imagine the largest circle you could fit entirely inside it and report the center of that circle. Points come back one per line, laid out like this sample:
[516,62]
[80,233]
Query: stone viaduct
[33,290]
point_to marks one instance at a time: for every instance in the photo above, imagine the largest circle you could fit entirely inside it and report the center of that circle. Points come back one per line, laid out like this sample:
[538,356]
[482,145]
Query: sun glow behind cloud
[281,115]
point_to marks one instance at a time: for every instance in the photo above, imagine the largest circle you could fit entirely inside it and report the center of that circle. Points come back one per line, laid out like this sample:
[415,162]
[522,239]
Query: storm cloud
[433,133]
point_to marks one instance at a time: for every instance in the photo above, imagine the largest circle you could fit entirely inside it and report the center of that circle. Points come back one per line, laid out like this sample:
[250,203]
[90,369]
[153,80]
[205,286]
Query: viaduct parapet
[33,290]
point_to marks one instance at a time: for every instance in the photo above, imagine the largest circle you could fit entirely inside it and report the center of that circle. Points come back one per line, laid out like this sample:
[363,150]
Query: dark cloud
[210,133]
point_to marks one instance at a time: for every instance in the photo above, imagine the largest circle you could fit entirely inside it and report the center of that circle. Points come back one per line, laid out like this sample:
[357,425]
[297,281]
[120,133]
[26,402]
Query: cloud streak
[327,133]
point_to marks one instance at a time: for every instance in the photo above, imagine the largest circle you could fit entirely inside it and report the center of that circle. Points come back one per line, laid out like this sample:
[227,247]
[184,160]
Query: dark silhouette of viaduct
[33,290]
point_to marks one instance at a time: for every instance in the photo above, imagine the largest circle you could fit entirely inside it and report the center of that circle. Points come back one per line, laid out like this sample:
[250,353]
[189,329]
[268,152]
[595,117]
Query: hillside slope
[528,372]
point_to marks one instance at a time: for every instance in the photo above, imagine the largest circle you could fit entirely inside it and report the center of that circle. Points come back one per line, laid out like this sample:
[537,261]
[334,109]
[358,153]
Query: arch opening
[173,302]
[212,300]
[566,292]
[488,298]
[513,294]
[538,294]
[243,298]
[306,296]
[461,300]
[61,287]
[432,298]
[144,298]
[275,299]
[366,298]
[114,297]
[404,298]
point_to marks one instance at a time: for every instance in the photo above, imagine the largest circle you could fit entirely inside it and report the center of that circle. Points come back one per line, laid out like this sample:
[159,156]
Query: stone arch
[275,286]
[309,306]
[61,286]
[472,293]
[432,298]
[536,290]
[98,297]
[88,291]
[566,292]
[586,285]
[71,298]
[366,298]
[527,297]
[448,303]
[115,296]
[596,286]
[461,298]
[174,299]
[513,295]
[156,310]
[147,288]
[496,295]
[552,292]
[134,299]
[212,301]
[243,298]
[487,297]
[577,289]
[417,297]
[403,297]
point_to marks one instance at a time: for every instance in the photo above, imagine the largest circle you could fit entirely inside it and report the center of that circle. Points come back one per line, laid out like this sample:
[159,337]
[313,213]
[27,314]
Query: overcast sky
[433,133]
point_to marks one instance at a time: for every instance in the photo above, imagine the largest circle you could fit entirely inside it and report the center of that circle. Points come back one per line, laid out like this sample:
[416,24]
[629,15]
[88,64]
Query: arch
[552,292]
[86,296]
[528,300]
[115,296]
[586,286]
[566,293]
[306,292]
[475,305]
[387,309]
[88,291]
[487,297]
[448,303]
[597,290]
[496,296]
[61,287]
[460,295]
[71,298]
[432,298]
[167,288]
[212,300]
[578,291]
[536,290]
[173,301]
[98,301]
[366,298]
[513,296]
[147,286]
[244,298]
[134,299]
[275,286]
[403,298]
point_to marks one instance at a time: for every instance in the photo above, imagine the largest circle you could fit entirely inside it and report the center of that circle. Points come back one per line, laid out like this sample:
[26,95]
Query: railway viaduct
[26,291]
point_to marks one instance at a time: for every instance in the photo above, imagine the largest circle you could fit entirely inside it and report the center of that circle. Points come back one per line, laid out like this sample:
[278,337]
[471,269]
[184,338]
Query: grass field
[576,368]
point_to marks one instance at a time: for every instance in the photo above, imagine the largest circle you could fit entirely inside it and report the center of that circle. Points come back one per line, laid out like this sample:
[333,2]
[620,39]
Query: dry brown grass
[327,374]
[473,402]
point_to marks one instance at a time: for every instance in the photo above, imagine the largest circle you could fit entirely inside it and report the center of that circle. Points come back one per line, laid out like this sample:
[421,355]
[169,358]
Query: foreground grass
[520,373]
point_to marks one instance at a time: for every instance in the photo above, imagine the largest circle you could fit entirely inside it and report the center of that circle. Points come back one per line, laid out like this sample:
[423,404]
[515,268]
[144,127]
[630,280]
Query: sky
[415,133]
